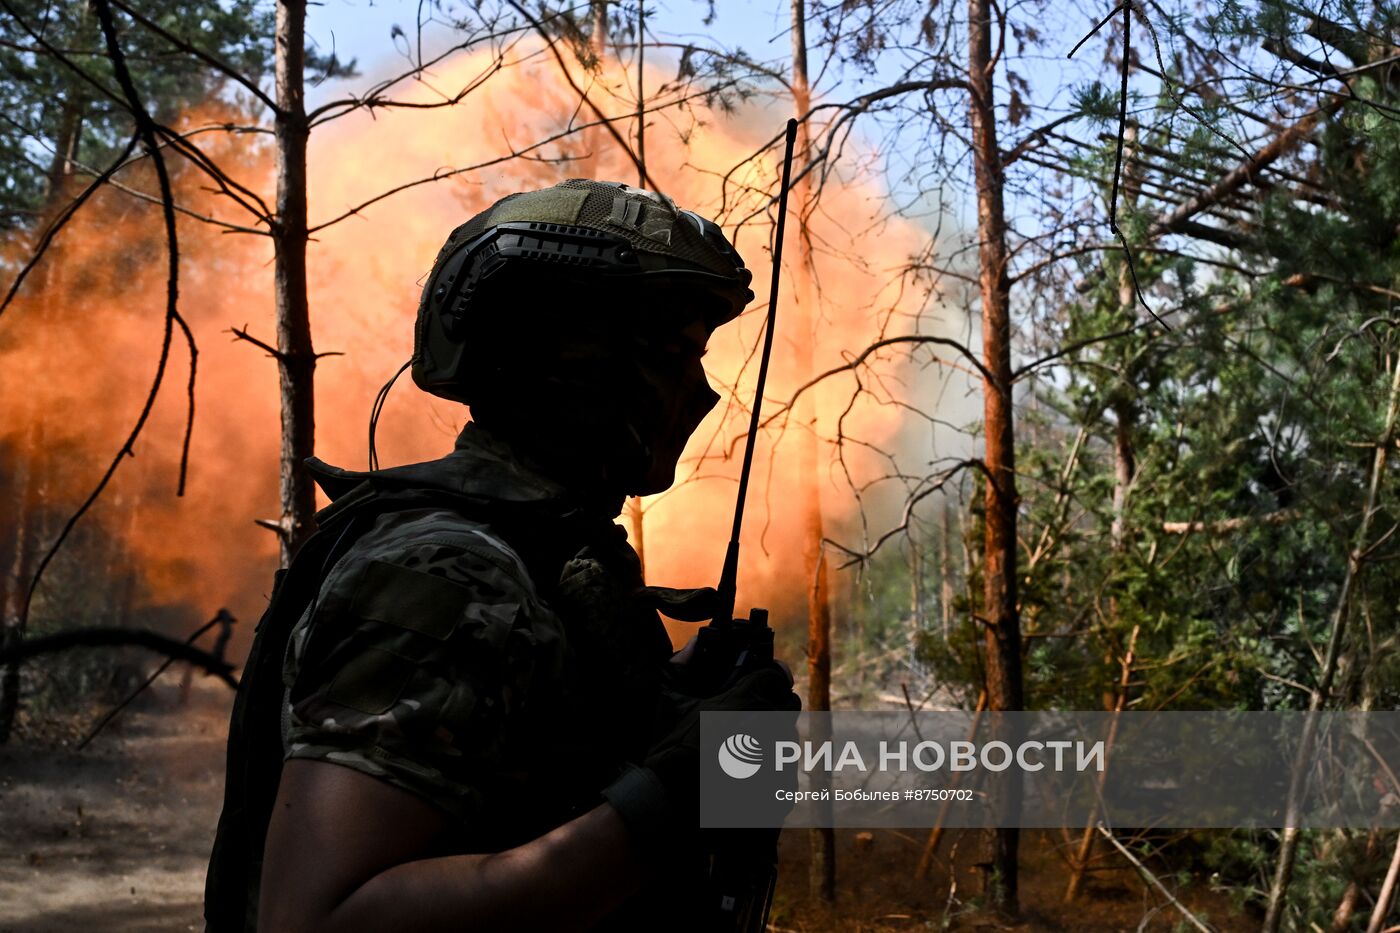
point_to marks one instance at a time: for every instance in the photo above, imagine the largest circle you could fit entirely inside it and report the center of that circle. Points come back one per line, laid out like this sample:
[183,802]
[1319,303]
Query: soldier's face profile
[671,366]
[612,378]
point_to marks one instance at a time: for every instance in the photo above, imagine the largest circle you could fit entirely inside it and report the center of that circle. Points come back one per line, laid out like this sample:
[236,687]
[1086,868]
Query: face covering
[608,409]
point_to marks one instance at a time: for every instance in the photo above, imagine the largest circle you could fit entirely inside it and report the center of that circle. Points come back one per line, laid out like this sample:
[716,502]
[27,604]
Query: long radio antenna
[729,576]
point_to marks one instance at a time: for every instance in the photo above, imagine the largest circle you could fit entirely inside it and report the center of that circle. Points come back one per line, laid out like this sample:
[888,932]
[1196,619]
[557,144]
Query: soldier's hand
[660,800]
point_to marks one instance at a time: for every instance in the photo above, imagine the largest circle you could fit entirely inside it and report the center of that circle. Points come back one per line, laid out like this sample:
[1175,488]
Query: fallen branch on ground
[110,637]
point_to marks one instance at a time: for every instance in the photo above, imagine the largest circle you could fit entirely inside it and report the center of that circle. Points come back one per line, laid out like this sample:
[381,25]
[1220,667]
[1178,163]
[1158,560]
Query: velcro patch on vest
[370,682]
[410,599]
[553,205]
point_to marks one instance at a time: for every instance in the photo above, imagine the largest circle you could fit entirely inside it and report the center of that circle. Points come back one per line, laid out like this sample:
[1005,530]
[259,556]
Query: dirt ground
[878,893]
[114,838]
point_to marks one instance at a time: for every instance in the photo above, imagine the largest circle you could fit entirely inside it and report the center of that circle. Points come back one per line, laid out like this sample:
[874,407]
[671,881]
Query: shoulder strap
[254,762]
[255,753]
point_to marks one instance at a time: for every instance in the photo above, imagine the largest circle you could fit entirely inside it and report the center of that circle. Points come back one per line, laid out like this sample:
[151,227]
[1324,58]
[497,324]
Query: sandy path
[114,838]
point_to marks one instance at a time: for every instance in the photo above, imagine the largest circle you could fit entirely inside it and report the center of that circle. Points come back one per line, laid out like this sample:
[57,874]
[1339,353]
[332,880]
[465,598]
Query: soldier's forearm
[568,879]
[345,853]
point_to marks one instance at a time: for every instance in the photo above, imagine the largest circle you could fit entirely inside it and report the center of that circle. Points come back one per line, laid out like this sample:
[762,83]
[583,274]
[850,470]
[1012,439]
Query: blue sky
[362,28]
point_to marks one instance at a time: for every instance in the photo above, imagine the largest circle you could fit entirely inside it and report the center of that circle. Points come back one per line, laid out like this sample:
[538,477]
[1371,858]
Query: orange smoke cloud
[100,320]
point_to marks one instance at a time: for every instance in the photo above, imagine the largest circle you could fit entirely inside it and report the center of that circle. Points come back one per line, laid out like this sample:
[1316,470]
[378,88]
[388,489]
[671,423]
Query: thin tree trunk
[1125,416]
[70,132]
[1124,469]
[26,548]
[1288,850]
[1080,864]
[634,504]
[1124,466]
[1001,615]
[945,572]
[598,36]
[814,564]
[935,834]
[916,599]
[30,464]
[1346,907]
[1387,893]
[593,138]
[296,359]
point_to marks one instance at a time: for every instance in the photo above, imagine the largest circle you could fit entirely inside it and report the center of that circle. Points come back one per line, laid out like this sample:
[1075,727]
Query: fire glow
[98,314]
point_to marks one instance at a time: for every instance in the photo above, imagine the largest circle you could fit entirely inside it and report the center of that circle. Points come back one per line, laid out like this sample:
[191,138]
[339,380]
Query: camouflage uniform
[449,662]
[467,629]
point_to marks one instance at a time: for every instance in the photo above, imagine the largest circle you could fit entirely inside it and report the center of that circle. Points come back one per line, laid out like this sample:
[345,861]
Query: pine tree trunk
[1001,615]
[1288,849]
[592,138]
[30,466]
[1124,459]
[814,564]
[917,621]
[296,358]
[26,549]
[1386,896]
[945,573]
[1124,469]
[598,36]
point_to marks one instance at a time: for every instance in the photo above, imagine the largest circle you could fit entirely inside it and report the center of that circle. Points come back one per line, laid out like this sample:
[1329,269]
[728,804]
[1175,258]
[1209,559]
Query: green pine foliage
[45,100]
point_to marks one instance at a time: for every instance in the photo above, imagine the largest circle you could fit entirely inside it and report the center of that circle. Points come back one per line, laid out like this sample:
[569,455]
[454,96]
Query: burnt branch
[119,637]
[223,617]
[146,130]
[374,97]
[241,333]
[514,153]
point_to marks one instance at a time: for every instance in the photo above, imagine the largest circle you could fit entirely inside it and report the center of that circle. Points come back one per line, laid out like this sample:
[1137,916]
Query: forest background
[1085,387]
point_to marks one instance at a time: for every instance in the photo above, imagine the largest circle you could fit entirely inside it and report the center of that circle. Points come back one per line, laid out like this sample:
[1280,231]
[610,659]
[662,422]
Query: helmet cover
[579,234]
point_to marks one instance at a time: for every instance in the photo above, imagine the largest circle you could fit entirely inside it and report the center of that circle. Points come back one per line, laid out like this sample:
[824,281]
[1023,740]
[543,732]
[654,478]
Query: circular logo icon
[740,756]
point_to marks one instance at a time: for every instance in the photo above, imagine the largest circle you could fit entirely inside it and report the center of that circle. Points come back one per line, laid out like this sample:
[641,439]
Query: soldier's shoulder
[426,640]
[438,542]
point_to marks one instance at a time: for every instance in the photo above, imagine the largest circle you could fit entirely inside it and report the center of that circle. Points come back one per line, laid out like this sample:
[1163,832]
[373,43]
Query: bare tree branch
[112,637]
[859,360]
[146,130]
[604,120]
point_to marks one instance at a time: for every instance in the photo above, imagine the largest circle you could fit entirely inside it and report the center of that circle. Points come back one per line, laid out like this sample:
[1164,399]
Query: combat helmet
[577,234]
